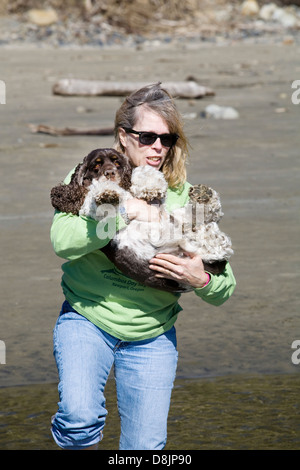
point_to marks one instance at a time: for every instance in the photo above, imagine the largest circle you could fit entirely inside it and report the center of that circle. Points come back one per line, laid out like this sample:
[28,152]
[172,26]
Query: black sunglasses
[148,138]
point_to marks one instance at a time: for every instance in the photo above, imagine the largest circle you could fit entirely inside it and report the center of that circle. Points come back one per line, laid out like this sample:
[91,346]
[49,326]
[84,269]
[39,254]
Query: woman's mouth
[153,161]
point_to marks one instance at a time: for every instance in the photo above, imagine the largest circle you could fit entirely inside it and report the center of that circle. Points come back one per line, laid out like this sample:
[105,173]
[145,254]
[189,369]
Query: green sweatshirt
[111,300]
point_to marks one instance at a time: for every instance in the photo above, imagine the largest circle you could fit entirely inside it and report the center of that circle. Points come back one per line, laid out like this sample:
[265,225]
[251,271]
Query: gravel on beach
[143,22]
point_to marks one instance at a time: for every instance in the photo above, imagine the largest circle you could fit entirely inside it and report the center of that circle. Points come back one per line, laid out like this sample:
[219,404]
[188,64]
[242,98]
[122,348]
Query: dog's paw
[200,193]
[209,200]
[107,192]
[108,197]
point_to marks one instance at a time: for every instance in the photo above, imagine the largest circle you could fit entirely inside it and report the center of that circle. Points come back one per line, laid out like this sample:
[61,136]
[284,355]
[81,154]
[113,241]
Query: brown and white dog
[100,165]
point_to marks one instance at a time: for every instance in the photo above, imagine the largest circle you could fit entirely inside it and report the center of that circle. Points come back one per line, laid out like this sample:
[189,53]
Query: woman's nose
[157,144]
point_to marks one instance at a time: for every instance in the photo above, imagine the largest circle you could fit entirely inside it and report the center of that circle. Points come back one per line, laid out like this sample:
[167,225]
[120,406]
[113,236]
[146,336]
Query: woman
[109,319]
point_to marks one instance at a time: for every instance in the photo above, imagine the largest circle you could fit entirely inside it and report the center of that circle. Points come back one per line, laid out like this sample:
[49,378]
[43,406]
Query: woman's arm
[219,288]
[74,236]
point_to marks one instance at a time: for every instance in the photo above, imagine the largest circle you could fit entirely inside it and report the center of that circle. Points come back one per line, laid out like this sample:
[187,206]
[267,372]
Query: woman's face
[140,155]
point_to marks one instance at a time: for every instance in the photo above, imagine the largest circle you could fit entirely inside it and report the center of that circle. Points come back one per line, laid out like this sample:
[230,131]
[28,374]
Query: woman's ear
[122,137]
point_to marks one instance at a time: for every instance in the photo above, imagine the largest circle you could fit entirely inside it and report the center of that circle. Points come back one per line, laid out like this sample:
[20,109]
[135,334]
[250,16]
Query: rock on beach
[250,8]
[42,17]
[220,112]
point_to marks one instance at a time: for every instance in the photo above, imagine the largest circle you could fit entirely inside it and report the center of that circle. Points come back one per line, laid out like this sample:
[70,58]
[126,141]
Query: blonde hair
[160,101]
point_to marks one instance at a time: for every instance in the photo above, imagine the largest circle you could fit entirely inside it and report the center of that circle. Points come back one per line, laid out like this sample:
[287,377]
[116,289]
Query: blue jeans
[144,374]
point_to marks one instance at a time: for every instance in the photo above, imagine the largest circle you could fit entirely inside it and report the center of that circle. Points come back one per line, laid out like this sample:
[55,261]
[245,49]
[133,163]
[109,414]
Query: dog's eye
[97,167]
[115,160]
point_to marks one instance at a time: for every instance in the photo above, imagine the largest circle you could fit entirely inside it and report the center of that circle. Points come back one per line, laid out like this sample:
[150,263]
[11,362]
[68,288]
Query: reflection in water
[242,412]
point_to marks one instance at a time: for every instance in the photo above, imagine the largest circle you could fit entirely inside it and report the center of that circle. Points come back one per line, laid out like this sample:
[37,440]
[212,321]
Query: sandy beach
[252,161]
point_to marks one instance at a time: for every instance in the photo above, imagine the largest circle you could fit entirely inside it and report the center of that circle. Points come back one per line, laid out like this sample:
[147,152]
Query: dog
[106,177]
[100,165]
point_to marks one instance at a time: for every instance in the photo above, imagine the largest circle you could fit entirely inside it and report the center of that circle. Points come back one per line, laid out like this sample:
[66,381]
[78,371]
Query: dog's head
[100,164]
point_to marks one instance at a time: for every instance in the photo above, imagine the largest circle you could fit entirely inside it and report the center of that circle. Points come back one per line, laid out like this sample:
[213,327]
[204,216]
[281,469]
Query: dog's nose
[110,173]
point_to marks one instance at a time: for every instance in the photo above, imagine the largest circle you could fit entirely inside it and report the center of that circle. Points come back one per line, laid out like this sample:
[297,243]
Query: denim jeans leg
[145,373]
[84,360]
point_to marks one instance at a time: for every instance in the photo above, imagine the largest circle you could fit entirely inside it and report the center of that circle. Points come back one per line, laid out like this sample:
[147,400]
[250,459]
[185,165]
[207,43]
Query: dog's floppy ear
[125,182]
[70,197]
[81,170]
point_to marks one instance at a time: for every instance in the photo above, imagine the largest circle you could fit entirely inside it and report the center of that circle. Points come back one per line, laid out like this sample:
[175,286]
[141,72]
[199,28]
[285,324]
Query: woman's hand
[188,270]
[140,210]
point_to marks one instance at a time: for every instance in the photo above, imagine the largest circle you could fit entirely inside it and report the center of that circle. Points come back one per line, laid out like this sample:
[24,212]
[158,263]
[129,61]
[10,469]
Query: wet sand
[253,162]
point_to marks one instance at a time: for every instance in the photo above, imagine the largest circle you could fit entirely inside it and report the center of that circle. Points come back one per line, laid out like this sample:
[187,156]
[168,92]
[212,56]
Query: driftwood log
[41,128]
[76,87]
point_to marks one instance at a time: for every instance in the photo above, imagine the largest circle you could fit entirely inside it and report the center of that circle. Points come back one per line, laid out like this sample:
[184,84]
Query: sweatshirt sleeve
[74,236]
[219,288]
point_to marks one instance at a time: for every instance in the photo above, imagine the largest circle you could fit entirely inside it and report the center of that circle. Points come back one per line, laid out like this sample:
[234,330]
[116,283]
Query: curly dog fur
[106,177]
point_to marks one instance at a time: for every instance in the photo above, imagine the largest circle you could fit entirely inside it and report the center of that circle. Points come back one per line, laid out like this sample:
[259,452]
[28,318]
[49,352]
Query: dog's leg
[108,197]
[200,193]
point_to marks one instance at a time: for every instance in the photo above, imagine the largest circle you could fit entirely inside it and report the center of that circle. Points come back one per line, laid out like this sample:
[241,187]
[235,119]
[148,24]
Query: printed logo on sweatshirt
[121,281]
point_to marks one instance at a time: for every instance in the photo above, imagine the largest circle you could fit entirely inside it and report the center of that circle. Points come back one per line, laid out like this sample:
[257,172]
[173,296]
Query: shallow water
[238,413]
